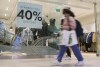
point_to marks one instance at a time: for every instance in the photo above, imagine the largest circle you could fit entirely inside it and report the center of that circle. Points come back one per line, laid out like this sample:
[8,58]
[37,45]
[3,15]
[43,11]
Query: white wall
[88,22]
[89,27]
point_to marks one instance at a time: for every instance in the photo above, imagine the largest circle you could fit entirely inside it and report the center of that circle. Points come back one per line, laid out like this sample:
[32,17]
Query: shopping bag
[72,40]
[68,38]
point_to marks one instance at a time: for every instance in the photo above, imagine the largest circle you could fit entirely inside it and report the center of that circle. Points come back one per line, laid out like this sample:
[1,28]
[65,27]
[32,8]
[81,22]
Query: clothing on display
[17,43]
[44,28]
[52,27]
[2,29]
[51,30]
[89,37]
[88,40]
[27,36]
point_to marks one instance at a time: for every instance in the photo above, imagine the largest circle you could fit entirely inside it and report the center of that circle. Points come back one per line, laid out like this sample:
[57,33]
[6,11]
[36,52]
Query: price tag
[29,15]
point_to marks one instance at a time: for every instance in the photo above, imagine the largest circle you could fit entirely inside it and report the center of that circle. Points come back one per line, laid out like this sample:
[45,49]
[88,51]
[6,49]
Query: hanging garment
[27,35]
[44,29]
[89,38]
[17,42]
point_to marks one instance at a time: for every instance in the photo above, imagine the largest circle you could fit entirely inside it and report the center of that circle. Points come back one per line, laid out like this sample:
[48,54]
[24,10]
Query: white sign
[29,15]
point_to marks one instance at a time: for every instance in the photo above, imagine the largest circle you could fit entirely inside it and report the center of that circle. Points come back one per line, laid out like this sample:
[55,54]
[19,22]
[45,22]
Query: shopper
[79,31]
[68,38]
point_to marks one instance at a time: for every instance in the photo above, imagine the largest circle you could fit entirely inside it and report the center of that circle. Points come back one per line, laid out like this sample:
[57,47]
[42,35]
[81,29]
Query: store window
[39,38]
[33,39]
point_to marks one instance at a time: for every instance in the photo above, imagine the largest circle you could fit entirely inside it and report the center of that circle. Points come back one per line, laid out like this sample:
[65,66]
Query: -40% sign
[29,15]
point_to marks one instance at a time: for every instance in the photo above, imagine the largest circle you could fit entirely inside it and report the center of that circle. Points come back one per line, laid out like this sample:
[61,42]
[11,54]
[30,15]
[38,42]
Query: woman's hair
[68,11]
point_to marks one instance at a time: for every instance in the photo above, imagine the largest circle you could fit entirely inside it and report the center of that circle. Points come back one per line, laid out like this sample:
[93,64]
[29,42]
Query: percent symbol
[37,16]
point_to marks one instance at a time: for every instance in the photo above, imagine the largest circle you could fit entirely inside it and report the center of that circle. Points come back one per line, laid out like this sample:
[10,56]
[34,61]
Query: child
[68,38]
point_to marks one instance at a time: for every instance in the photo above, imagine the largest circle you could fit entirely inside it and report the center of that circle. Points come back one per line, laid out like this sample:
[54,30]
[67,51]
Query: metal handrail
[40,41]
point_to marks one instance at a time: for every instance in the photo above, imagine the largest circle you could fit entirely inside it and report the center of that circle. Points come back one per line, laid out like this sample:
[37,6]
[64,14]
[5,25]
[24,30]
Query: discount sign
[29,15]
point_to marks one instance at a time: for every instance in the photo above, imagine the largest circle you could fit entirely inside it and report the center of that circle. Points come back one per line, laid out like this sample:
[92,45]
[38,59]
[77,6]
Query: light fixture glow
[5,14]
[9,0]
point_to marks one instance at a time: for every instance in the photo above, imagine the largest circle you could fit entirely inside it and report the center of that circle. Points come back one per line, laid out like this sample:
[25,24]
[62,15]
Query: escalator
[38,48]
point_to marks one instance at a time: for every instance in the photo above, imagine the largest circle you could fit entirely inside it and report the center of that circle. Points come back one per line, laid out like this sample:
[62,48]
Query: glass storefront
[36,40]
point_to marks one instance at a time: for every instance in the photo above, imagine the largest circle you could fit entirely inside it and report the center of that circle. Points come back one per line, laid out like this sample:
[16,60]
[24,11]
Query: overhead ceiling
[8,8]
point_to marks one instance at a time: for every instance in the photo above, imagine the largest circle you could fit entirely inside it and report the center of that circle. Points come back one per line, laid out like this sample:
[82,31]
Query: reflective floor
[90,60]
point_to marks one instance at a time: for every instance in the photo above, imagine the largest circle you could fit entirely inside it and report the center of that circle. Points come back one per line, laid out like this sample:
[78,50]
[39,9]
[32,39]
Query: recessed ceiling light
[5,14]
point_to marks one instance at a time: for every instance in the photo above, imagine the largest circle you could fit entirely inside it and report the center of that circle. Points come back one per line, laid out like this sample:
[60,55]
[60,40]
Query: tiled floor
[90,60]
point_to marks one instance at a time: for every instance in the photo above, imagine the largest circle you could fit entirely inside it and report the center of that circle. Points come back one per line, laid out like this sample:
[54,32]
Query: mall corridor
[90,60]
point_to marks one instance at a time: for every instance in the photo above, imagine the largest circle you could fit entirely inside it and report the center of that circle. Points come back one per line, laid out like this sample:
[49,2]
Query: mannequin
[27,36]
[44,30]
[52,28]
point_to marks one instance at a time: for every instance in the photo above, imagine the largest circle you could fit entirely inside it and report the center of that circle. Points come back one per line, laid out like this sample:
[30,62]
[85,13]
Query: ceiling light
[9,0]
[5,14]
